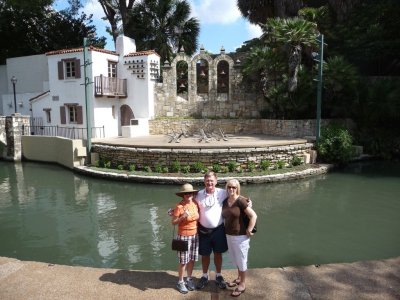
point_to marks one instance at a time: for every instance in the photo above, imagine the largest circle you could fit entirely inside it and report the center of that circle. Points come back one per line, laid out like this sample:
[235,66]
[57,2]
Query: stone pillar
[14,132]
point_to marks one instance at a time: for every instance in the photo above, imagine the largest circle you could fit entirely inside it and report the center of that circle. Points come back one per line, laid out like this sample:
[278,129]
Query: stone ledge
[321,169]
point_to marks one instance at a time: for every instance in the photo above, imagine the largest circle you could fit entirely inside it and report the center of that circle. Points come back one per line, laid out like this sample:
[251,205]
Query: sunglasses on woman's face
[232,187]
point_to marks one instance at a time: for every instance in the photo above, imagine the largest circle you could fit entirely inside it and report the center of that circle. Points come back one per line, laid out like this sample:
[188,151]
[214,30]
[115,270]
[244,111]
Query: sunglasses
[232,187]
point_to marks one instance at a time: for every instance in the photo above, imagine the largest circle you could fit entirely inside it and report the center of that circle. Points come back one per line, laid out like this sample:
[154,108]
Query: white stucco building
[51,88]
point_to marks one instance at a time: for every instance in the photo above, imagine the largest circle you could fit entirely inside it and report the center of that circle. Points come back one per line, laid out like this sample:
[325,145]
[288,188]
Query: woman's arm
[252,219]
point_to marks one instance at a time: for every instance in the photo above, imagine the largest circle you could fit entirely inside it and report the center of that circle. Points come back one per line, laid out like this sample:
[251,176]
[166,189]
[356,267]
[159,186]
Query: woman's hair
[233,182]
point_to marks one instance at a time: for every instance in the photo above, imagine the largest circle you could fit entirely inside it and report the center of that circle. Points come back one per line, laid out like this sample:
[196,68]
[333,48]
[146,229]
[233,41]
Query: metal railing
[67,132]
[110,86]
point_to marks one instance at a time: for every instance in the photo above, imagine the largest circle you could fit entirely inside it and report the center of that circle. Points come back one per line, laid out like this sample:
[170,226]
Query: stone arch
[126,115]
[223,58]
[205,57]
[180,57]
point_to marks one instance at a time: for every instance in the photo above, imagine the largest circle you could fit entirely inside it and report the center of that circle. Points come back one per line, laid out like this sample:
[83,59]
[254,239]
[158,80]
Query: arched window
[223,77]
[181,77]
[126,115]
[202,76]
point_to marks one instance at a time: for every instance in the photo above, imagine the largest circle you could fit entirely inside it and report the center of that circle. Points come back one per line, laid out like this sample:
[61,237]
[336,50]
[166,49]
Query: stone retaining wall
[288,128]
[143,158]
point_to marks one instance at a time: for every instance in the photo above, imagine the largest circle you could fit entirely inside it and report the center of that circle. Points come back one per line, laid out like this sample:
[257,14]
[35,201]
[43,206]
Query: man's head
[210,181]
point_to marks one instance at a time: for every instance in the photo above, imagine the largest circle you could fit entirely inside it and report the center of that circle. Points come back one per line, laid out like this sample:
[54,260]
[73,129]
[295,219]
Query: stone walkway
[369,280]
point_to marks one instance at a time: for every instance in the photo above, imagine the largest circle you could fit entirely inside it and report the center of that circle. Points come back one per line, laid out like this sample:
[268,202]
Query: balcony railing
[110,87]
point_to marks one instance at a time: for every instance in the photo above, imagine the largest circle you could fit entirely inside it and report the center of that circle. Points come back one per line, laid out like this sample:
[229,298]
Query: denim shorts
[213,242]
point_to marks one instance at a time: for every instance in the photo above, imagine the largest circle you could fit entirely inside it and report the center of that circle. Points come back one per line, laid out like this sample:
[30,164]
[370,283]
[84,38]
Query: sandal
[237,292]
[234,283]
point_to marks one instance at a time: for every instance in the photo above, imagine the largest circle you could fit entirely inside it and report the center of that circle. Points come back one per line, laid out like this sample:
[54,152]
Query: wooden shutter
[79,114]
[62,115]
[60,66]
[77,68]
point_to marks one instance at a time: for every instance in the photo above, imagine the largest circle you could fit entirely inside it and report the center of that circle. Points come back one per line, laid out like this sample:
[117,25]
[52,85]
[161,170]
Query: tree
[19,27]
[257,11]
[164,26]
[293,34]
[116,12]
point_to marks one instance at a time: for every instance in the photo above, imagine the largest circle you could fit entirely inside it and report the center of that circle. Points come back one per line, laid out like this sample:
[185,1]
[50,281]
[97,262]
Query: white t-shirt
[210,206]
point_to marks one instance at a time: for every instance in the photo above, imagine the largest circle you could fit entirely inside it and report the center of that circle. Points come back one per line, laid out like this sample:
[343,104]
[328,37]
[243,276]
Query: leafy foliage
[164,26]
[335,145]
[19,27]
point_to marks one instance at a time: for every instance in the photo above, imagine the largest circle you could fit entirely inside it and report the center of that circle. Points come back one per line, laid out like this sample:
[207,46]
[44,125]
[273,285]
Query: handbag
[178,245]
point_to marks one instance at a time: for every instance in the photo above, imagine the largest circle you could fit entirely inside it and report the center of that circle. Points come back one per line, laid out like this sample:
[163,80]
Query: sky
[221,23]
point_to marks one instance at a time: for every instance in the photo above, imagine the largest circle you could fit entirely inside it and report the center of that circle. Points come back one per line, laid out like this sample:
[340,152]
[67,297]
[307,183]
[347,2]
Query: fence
[67,132]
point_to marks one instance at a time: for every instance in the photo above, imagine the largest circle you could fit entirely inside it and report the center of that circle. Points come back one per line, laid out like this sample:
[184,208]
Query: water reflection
[49,214]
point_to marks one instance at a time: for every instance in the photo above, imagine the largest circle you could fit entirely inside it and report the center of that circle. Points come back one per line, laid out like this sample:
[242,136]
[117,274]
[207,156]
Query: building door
[126,115]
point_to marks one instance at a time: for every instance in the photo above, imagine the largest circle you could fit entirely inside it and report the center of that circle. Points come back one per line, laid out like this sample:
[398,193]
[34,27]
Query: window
[71,112]
[47,111]
[112,69]
[69,68]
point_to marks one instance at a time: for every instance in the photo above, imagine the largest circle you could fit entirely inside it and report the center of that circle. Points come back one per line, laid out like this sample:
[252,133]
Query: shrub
[185,169]
[280,164]
[107,164]
[176,167]
[265,164]
[165,169]
[296,161]
[148,169]
[232,166]
[335,145]
[157,168]
[216,168]
[197,167]
[224,169]
[251,165]
[120,167]
[132,167]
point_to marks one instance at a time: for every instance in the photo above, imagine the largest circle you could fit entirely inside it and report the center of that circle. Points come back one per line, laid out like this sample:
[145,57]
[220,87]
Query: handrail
[110,86]
[67,132]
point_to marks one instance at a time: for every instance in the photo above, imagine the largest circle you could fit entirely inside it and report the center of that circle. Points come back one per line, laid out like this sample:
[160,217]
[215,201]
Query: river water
[50,214]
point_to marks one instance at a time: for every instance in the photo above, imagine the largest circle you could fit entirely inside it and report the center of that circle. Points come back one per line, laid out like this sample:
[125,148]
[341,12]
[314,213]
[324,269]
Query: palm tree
[294,34]
[163,26]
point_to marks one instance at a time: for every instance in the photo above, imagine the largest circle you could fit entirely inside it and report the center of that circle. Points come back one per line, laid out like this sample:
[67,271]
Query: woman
[186,214]
[237,235]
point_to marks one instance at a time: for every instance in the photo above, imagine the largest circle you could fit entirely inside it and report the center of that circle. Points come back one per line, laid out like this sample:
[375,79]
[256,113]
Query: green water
[49,214]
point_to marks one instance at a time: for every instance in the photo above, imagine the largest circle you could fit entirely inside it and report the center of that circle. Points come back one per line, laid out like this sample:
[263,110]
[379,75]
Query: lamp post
[14,81]
[320,60]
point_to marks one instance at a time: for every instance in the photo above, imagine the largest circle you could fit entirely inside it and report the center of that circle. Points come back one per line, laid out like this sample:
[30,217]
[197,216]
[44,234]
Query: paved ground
[372,280]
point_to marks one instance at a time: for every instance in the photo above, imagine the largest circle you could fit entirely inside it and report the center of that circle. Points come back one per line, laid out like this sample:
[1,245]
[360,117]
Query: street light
[14,81]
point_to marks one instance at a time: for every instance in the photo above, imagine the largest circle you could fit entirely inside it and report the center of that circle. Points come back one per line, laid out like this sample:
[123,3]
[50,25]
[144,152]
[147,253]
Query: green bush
[197,167]
[157,168]
[132,167]
[280,164]
[120,167]
[165,169]
[232,166]
[185,169]
[148,169]
[265,164]
[175,167]
[251,165]
[107,164]
[216,168]
[296,161]
[224,169]
[335,145]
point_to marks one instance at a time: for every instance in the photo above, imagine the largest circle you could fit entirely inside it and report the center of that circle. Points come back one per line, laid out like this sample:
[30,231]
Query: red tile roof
[91,48]
[142,53]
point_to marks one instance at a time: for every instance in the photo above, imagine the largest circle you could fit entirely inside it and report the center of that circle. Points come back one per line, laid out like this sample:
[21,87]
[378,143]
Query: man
[211,228]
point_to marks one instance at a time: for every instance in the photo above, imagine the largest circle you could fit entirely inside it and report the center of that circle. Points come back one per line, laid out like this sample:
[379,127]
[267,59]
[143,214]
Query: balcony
[109,87]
